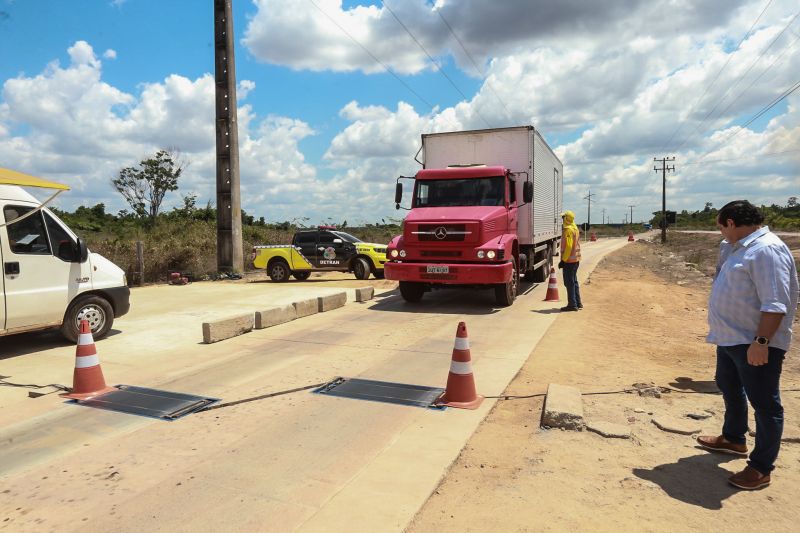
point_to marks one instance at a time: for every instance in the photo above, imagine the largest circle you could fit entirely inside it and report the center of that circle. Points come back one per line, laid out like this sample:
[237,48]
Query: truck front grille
[441,232]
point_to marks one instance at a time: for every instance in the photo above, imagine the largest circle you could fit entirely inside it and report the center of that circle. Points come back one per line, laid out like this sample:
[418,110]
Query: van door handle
[12,267]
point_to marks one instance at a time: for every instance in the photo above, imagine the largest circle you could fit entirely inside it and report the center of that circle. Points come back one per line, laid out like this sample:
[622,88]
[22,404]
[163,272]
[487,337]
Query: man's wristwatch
[763,341]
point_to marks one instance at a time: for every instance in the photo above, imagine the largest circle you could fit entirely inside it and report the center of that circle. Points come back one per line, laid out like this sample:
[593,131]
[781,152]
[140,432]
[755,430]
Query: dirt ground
[645,321]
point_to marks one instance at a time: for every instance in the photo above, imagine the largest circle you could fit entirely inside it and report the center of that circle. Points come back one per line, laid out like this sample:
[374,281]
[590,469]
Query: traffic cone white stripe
[462,343]
[460,368]
[85,338]
[86,361]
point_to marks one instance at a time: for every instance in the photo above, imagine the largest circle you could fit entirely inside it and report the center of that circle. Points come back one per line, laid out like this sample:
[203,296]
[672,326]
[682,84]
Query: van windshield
[460,192]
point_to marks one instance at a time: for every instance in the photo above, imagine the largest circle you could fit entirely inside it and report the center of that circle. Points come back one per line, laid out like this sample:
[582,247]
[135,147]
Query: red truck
[485,210]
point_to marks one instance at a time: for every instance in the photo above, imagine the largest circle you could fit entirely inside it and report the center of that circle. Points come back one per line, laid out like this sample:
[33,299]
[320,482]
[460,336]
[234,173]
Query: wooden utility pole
[631,206]
[604,216]
[664,169]
[589,214]
[229,204]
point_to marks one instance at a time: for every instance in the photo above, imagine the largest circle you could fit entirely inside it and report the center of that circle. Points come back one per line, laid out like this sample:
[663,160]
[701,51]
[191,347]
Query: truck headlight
[491,254]
[402,253]
[395,253]
[481,254]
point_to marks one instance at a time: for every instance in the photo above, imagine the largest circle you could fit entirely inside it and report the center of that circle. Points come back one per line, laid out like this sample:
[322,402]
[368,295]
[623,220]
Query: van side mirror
[527,192]
[398,194]
[82,251]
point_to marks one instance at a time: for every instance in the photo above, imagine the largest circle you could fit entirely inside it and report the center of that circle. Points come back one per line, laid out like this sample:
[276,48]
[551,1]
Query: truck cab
[50,279]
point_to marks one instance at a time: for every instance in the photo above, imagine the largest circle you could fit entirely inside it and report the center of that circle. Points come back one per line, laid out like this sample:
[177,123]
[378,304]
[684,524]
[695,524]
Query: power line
[738,80]
[378,61]
[433,61]
[730,56]
[474,63]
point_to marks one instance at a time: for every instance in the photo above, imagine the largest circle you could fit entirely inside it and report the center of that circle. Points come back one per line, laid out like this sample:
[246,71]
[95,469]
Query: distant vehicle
[485,209]
[647,226]
[50,278]
[324,249]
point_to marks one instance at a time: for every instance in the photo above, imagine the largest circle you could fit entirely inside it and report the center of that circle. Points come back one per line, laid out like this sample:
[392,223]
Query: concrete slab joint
[227,328]
[331,301]
[306,307]
[272,316]
[364,294]
[563,408]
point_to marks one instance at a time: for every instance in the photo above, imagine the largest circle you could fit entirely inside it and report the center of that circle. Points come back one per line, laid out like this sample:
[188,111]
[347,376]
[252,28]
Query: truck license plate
[435,269]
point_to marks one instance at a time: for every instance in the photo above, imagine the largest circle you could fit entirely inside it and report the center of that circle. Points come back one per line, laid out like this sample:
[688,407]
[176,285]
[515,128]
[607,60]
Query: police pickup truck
[320,250]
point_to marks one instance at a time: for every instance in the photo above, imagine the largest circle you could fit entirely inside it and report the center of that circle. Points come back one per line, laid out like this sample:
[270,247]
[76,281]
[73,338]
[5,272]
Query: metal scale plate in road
[154,403]
[382,391]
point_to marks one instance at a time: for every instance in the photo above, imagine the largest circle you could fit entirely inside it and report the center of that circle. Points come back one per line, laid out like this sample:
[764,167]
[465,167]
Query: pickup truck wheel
[93,308]
[278,271]
[301,275]
[412,291]
[506,293]
[361,268]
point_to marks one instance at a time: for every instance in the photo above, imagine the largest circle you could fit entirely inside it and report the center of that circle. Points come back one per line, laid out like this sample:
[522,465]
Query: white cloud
[110,54]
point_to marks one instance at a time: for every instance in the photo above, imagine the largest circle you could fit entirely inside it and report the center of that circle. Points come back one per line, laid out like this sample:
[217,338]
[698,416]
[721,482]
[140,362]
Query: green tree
[145,186]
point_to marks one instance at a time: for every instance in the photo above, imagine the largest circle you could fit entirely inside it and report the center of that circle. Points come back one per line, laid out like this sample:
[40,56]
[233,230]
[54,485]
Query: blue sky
[324,130]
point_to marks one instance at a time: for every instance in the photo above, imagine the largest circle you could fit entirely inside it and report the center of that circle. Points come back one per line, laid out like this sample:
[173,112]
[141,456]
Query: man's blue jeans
[571,284]
[740,381]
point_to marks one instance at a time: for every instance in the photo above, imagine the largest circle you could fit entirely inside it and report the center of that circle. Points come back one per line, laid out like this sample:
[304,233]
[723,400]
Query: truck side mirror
[83,252]
[398,194]
[527,192]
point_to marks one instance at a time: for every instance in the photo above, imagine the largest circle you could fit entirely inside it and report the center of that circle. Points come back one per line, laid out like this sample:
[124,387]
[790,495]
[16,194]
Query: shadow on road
[440,301]
[696,480]
[35,341]
[685,383]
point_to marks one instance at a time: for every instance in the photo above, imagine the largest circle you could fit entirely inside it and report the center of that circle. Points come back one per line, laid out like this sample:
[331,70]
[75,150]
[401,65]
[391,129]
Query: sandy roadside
[644,322]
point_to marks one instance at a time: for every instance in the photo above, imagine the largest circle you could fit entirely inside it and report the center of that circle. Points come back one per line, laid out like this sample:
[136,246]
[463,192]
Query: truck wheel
[278,271]
[361,268]
[541,274]
[93,308]
[301,275]
[506,293]
[412,291]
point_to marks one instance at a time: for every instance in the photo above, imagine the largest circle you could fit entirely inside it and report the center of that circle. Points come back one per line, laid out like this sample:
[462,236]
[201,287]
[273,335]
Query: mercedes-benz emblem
[440,232]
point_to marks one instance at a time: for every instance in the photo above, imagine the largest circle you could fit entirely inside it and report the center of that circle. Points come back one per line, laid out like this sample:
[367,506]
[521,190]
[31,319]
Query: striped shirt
[755,275]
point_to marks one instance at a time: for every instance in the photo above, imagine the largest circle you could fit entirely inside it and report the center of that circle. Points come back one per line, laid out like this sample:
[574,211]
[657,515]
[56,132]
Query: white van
[49,277]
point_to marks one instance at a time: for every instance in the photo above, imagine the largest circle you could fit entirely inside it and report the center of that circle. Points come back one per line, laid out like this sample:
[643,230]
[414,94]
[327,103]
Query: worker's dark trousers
[740,381]
[571,284]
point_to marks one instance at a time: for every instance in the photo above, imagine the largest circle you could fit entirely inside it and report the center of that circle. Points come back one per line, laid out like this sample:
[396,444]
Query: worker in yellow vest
[570,260]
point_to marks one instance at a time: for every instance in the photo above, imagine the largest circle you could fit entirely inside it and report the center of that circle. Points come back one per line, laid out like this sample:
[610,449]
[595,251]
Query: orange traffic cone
[460,391]
[630,236]
[552,288]
[87,381]
[593,238]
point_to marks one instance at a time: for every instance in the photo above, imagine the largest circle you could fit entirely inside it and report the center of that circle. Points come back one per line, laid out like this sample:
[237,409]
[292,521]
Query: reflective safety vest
[570,237]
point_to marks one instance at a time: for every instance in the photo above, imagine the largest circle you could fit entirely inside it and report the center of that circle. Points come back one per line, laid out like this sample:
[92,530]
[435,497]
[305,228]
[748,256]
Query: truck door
[38,285]
[330,251]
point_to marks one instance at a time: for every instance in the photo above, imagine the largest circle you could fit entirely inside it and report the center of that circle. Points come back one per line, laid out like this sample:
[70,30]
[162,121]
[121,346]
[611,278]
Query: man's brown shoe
[720,444]
[749,479]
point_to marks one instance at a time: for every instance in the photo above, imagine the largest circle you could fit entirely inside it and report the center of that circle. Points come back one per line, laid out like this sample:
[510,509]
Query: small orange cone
[460,391]
[87,380]
[593,238]
[630,236]
[552,288]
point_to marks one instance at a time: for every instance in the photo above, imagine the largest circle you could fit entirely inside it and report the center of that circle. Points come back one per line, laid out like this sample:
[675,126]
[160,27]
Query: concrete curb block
[563,407]
[272,316]
[306,307]
[226,328]
[364,294]
[331,301]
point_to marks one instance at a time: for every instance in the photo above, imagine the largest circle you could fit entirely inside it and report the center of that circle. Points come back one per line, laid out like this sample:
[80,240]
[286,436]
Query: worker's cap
[569,214]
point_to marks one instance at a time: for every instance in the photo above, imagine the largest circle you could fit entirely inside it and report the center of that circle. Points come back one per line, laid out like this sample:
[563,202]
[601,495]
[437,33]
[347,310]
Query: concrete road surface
[297,461]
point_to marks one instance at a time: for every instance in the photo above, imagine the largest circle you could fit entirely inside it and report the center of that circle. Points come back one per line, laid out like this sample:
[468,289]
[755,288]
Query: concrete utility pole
[589,214]
[631,206]
[664,169]
[604,216]
[229,203]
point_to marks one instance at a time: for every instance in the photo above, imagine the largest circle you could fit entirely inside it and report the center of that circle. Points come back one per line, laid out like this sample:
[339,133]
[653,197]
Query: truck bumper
[457,274]
[120,300]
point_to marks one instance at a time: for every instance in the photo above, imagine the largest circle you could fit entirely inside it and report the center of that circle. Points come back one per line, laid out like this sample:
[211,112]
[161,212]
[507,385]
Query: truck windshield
[460,192]
[346,236]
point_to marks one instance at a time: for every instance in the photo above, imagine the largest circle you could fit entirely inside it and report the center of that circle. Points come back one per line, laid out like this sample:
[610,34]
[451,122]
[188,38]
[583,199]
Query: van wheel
[301,275]
[361,268]
[506,293]
[412,291]
[93,308]
[278,271]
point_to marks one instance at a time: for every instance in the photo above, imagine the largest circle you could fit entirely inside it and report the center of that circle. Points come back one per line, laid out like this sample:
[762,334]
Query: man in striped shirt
[753,302]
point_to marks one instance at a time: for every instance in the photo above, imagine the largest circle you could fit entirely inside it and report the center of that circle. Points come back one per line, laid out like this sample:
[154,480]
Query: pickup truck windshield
[460,192]
[346,237]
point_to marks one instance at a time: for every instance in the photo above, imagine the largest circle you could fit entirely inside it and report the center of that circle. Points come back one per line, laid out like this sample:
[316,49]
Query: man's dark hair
[742,212]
